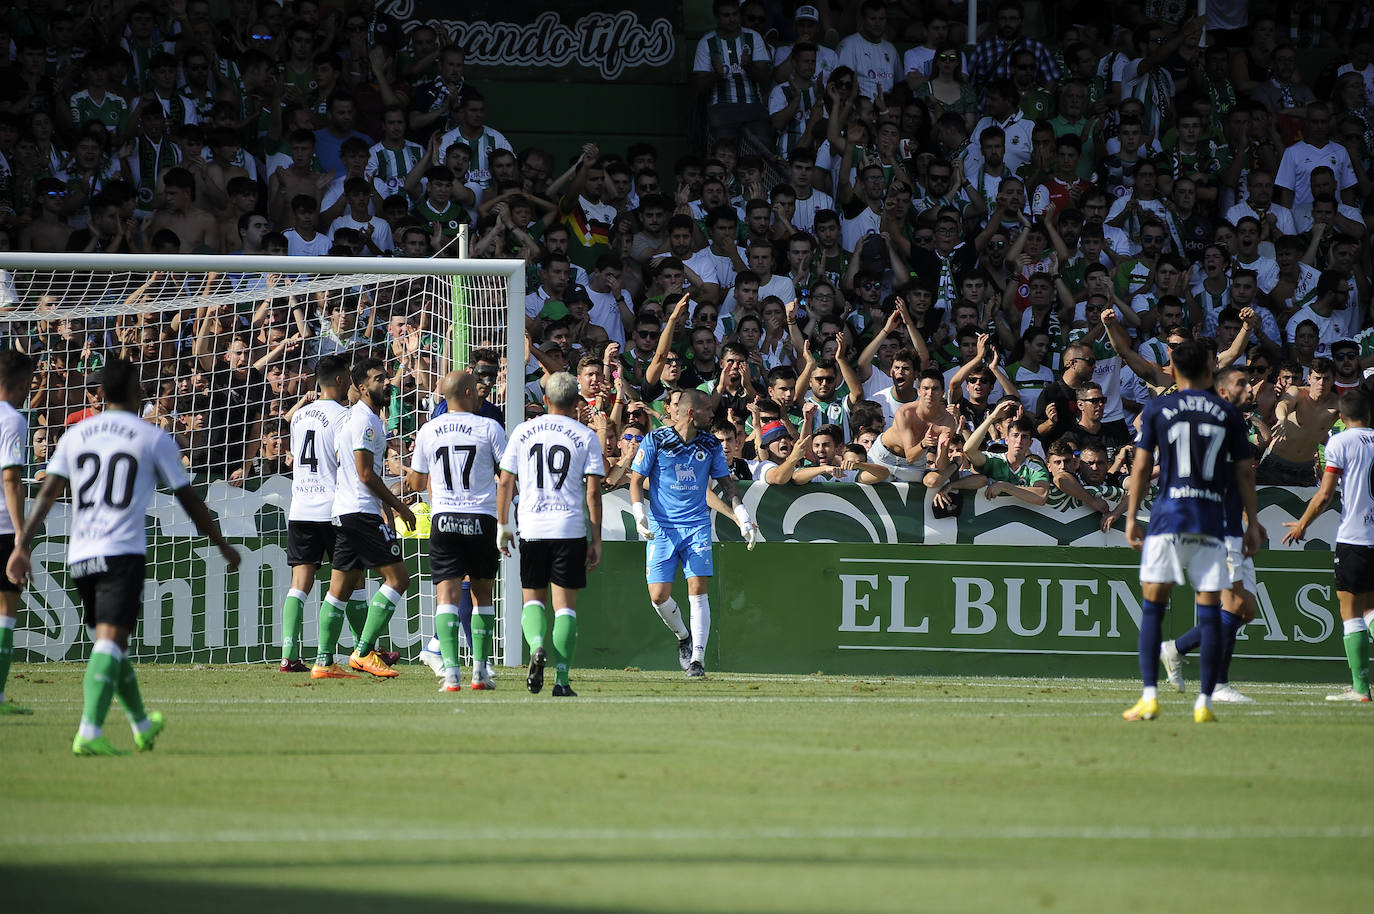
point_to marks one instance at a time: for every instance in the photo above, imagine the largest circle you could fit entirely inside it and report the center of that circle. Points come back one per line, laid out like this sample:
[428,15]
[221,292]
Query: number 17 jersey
[460,452]
[314,462]
[1200,438]
[113,462]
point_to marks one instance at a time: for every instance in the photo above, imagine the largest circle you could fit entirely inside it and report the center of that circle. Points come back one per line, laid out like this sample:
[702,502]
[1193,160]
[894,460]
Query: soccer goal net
[227,347]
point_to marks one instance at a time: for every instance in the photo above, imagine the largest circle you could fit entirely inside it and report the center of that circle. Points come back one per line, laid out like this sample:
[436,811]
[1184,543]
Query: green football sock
[564,643]
[98,688]
[483,623]
[1357,655]
[357,616]
[331,624]
[292,624]
[6,651]
[447,627]
[379,612]
[532,623]
[129,695]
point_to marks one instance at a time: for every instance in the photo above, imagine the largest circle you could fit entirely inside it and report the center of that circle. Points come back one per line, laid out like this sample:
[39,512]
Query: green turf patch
[648,793]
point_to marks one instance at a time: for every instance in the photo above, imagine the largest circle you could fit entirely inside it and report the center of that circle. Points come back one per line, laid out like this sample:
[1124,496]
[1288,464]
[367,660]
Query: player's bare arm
[205,522]
[54,487]
[594,522]
[362,459]
[1297,529]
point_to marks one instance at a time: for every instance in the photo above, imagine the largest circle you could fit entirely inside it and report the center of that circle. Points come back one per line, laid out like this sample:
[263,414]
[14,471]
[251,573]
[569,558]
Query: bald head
[459,388]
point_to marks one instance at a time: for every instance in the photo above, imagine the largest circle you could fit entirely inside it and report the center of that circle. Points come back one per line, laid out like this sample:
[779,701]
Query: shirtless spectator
[1304,418]
[179,213]
[902,447]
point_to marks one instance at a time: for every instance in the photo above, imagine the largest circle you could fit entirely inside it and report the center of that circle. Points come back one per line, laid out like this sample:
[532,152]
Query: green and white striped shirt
[388,167]
[736,86]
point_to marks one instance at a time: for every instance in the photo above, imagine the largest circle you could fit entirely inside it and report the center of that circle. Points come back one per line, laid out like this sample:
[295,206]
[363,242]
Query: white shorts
[1242,567]
[903,470]
[1167,556]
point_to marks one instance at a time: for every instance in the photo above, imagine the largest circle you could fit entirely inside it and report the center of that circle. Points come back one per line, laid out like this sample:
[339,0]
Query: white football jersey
[550,456]
[14,445]
[113,462]
[1352,452]
[460,452]
[362,430]
[314,461]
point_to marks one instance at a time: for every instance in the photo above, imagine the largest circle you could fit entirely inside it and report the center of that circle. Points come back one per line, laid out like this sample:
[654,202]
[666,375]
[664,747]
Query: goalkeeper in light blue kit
[679,461]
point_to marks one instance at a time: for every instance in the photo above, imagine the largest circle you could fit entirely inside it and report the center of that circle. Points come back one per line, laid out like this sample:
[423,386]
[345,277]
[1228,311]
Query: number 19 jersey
[314,461]
[113,462]
[550,456]
[1200,438]
[460,452]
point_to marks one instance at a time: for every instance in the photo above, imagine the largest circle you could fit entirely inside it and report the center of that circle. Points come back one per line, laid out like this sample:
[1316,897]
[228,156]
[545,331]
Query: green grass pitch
[648,793]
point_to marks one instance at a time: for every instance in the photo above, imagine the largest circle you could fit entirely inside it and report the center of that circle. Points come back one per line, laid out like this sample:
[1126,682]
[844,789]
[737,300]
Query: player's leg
[355,610]
[465,608]
[1160,569]
[446,628]
[564,638]
[103,673]
[293,616]
[1208,607]
[343,578]
[660,566]
[536,573]
[1238,609]
[568,577]
[1356,639]
[9,615]
[482,592]
[699,567]
[380,609]
[113,599]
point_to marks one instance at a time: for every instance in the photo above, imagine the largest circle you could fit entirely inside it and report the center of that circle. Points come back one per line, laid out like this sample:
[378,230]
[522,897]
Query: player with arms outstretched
[679,461]
[16,375]
[113,462]
[552,460]
[455,458]
[1350,464]
[1203,452]
[310,532]
[365,539]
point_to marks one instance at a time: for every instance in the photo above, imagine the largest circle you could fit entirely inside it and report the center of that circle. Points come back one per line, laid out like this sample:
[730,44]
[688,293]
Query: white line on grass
[780,833]
[590,699]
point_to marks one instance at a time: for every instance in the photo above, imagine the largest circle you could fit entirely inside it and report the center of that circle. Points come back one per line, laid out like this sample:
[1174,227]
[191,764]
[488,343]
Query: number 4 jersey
[314,462]
[1200,438]
[550,456]
[460,452]
[113,463]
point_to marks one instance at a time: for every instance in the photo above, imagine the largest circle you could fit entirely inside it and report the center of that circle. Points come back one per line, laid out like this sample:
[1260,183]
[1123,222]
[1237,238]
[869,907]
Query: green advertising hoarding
[849,578]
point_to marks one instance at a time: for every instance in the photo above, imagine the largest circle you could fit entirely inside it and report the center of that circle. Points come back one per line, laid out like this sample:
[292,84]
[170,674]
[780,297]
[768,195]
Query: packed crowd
[1009,232]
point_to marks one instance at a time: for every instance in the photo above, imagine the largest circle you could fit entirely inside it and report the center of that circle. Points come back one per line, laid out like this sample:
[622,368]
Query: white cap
[808,12]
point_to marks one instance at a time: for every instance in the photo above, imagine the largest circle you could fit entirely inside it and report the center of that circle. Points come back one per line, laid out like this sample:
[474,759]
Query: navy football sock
[465,612]
[1151,634]
[1188,642]
[1230,628]
[1209,653]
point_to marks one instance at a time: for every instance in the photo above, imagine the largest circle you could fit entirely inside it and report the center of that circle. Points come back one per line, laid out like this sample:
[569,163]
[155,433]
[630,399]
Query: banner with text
[575,35]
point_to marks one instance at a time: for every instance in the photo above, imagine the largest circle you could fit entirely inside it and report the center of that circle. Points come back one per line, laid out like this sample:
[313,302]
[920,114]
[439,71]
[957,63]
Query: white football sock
[672,617]
[700,606]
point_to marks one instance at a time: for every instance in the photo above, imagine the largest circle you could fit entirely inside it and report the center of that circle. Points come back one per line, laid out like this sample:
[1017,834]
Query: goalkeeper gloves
[747,526]
[641,521]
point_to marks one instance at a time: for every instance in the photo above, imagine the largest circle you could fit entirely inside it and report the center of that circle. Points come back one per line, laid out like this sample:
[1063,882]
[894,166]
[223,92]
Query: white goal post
[200,326]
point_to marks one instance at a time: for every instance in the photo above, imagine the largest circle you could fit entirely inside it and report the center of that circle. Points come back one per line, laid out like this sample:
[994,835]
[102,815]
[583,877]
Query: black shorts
[463,544]
[365,541]
[1354,568]
[561,562]
[111,589]
[309,542]
[6,547]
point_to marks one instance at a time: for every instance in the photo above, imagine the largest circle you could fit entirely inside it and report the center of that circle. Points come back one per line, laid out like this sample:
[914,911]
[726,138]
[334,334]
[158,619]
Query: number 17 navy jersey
[1199,438]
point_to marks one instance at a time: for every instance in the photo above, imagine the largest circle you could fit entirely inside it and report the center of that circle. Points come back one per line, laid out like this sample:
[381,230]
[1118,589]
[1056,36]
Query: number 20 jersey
[459,452]
[550,456]
[1200,439]
[112,463]
[314,462]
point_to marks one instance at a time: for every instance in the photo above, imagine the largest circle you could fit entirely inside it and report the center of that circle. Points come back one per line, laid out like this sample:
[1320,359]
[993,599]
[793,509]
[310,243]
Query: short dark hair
[15,367]
[1355,405]
[362,367]
[329,367]
[1192,360]
[120,381]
